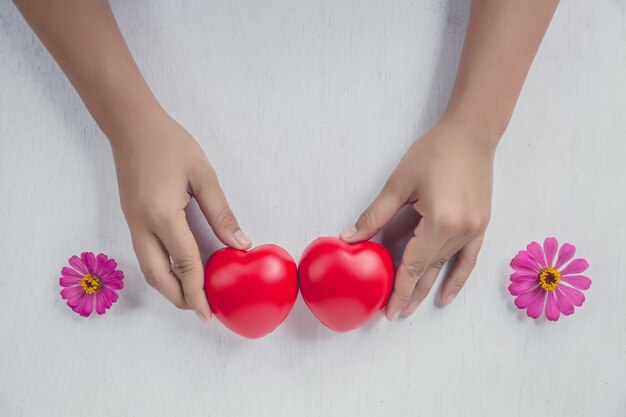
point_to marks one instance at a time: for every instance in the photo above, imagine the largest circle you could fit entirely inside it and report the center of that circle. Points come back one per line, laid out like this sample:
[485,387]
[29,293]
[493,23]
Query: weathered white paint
[304,108]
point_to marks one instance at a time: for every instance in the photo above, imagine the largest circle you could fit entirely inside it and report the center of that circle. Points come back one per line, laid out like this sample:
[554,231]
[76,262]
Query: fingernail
[394,315]
[348,233]
[201,316]
[411,307]
[450,298]
[242,238]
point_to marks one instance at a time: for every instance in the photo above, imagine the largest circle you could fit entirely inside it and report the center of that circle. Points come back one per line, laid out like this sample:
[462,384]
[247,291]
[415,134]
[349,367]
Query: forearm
[84,39]
[501,42]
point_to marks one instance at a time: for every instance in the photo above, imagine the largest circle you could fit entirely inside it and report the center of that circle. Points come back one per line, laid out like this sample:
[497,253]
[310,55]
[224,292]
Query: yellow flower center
[90,283]
[549,279]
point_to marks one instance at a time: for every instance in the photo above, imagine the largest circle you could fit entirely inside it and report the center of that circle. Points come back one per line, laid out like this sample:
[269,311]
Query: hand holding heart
[446,176]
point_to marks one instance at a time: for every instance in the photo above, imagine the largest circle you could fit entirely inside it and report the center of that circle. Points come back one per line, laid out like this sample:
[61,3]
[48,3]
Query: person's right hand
[160,167]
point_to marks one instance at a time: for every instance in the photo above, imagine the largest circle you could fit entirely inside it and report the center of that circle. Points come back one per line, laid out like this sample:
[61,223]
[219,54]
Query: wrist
[141,128]
[119,98]
[131,119]
[477,124]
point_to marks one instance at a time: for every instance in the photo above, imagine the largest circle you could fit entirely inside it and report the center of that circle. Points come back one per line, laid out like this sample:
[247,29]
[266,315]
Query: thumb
[378,214]
[212,202]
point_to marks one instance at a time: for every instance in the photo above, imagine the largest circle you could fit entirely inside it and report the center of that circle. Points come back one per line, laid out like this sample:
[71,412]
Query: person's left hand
[446,176]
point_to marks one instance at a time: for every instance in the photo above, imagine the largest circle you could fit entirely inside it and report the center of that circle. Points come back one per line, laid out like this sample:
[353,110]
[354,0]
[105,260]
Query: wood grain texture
[304,108]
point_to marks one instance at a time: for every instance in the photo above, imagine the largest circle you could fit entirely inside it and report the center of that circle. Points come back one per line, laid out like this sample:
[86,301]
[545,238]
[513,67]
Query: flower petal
[536,305]
[525,299]
[101,303]
[78,265]
[71,292]
[564,304]
[108,268]
[90,261]
[86,307]
[119,275]
[552,310]
[575,267]
[101,260]
[69,281]
[520,287]
[566,252]
[577,297]
[104,296]
[550,245]
[75,300]
[536,251]
[523,276]
[580,282]
[524,263]
[70,272]
[111,296]
[116,284]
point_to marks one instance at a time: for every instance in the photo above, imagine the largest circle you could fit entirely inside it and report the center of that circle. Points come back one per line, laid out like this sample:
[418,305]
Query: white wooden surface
[304,108]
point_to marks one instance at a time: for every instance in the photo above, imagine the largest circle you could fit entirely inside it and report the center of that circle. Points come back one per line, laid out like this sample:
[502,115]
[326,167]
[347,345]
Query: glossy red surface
[251,292]
[344,284]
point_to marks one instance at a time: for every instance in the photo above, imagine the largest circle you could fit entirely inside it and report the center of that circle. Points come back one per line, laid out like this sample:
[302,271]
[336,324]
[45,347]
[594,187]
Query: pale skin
[446,175]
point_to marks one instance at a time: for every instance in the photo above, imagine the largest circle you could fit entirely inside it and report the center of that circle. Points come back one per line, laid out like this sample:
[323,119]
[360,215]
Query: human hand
[446,176]
[160,167]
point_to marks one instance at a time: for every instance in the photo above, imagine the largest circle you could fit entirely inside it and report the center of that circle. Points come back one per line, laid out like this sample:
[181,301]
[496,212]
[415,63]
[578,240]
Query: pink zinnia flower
[91,280]
[538,282]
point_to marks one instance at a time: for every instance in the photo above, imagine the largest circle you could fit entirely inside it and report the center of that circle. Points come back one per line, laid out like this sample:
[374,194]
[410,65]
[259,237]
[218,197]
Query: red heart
[251,292]
[345,284]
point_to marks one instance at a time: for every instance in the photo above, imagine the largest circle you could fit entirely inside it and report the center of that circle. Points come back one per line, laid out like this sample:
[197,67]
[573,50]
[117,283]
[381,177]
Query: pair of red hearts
[344,285]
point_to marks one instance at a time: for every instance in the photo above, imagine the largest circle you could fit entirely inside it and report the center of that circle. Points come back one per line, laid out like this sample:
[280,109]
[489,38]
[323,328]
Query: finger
[155,265]
[186,264]
[384,207]
[416,259]
[463,267]
[212,202]
[424,285]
